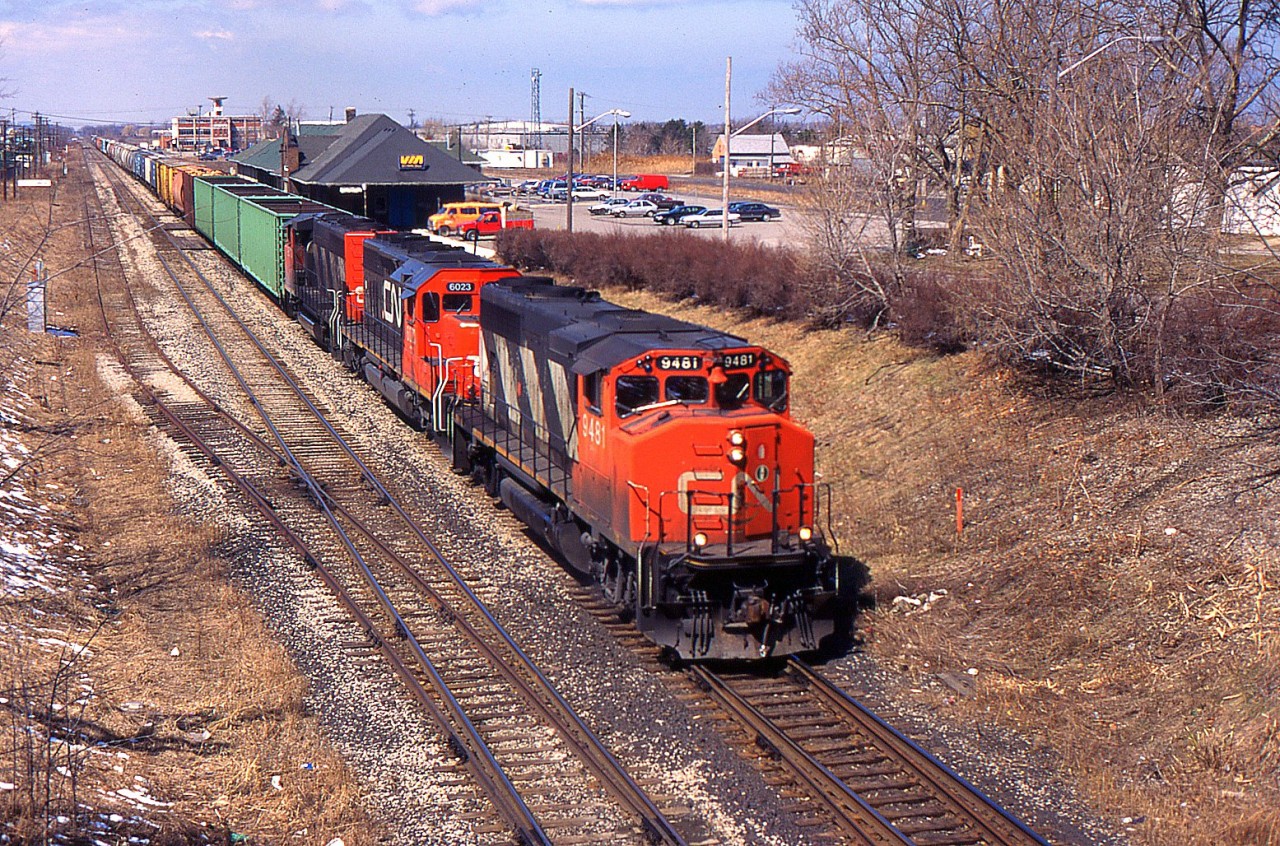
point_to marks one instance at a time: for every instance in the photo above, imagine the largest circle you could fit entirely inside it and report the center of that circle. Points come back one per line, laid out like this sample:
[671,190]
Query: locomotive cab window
[457,303]
[632,392]
[591,390]
[430,307]
[733,391]
[687,389]
[771,389]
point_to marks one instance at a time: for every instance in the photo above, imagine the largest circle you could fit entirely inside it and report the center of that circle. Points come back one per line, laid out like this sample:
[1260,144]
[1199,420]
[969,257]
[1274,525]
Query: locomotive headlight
[700,540]
[737,455]
[806,533]
[737,438]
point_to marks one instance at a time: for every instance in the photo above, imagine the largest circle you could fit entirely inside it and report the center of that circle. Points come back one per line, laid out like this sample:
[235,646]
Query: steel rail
[852,813]
[592,751]
[490,774]
[975,805]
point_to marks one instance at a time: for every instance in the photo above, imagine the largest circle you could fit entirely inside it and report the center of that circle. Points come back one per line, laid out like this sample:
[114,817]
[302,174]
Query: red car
[645,182]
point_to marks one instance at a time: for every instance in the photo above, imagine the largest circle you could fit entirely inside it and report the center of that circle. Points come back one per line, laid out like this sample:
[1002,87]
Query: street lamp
[724,212]
[1145,39]
[568,187]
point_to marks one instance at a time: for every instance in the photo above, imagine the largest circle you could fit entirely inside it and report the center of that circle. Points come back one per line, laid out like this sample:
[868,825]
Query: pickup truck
[491,223]
[453,216]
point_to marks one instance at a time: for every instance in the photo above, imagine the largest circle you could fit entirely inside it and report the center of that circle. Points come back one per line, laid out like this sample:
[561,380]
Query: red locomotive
[660,459]
[657,456]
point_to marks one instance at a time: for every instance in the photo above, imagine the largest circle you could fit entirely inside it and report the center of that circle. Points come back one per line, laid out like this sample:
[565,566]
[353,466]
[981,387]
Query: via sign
[413,161]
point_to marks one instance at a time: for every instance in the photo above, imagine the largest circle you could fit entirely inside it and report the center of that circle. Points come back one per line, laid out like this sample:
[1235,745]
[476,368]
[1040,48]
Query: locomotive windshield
[457,303]
[733,391]
[771,389]
[634,392]
[692,389]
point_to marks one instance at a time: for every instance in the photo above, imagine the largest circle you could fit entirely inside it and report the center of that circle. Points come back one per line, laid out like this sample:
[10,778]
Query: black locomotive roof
[584,331]
[407,246]
[334,222]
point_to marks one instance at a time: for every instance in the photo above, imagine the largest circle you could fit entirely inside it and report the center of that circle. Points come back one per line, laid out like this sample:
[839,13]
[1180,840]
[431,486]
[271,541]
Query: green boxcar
[246,221]
[206,187]
[263,236]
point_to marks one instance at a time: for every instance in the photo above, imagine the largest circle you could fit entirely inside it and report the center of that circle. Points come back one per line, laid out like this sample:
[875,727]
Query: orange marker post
[959,511]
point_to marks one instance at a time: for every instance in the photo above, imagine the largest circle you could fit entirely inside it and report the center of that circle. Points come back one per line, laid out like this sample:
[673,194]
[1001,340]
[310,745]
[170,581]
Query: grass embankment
[1116,585]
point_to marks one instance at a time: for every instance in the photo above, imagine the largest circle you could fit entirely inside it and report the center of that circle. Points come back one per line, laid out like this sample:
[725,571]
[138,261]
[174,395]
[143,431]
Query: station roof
[368,150]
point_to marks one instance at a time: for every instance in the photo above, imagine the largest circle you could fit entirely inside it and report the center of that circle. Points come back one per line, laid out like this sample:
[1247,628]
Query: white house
[1252,205]
[753,155]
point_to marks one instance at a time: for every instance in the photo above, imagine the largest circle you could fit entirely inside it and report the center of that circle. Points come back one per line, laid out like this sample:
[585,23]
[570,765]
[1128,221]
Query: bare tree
[1066,140]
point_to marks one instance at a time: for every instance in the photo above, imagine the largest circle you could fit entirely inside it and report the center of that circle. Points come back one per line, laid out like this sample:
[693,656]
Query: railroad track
[547,776]
[874,783]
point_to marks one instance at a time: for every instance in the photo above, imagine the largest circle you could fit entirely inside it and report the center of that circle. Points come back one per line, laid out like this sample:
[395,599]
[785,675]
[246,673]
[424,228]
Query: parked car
[791,170]
[635,208]
[645,182]
[550,186]
[755,211]
[498,188]
[662,201]
[671,217]
[529,186]
[608,205]
[710,217]
[584,192]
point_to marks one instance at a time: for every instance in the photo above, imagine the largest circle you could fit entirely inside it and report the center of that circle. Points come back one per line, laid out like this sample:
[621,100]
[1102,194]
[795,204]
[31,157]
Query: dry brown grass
[603,163]
[1148,659]
[187,681]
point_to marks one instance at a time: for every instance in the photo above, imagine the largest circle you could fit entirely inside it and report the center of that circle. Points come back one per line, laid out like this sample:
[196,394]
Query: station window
[632,392]
[687,389]
[771,389]
[733,391]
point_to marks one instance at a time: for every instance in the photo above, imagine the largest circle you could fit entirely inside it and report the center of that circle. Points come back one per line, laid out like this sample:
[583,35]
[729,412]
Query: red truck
[490,223]
[645,182]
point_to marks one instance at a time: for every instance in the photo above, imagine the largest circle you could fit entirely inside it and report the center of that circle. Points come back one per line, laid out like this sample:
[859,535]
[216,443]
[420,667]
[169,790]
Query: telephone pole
[582,138]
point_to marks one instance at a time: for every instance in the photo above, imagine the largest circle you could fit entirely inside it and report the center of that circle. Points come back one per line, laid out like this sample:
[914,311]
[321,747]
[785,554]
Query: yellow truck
[461,219]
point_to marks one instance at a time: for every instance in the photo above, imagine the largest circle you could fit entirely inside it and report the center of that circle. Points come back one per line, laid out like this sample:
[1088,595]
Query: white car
[635,208]
[586,192]
[710,217]
[607,206]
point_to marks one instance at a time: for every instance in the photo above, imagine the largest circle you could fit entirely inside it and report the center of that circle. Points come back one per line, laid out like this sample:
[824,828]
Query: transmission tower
[535,107]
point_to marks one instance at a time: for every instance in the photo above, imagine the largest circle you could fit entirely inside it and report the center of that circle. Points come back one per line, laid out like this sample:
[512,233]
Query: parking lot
[774,233]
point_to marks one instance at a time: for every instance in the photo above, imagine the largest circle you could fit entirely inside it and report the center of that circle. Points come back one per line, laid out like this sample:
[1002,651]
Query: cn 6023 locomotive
[658,457]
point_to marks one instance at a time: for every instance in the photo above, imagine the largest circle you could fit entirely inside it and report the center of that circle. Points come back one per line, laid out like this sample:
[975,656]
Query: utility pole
[568,192]
[4,156]
[582,138]
[724,203]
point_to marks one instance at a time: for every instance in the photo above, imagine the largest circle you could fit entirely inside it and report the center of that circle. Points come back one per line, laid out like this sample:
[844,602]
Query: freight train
[657,457]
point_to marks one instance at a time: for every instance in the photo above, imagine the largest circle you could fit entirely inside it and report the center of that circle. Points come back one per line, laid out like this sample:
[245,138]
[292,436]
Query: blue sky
[456,60]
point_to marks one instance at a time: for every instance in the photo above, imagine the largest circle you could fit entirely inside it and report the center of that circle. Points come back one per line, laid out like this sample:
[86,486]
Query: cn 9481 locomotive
[657,457]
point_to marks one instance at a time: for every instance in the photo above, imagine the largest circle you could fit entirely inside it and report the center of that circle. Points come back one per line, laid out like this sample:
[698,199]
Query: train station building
[368,165]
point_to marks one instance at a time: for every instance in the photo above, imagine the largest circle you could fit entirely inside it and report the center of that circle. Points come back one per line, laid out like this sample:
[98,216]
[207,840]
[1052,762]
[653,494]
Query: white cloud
[210,34]
[441,7]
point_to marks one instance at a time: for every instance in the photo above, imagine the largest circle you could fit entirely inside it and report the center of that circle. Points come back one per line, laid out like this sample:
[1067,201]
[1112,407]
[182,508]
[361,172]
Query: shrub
[761,280]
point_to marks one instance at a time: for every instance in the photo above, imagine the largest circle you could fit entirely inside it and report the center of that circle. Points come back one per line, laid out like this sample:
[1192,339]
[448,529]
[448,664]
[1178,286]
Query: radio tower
[535,107]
